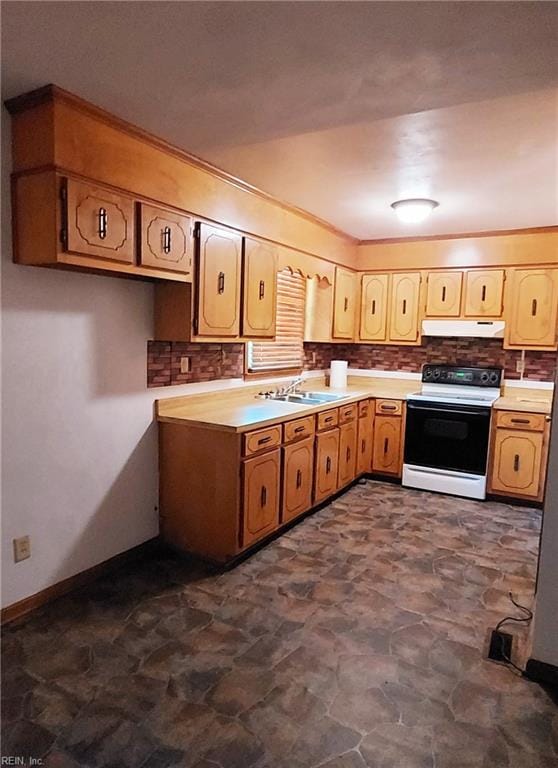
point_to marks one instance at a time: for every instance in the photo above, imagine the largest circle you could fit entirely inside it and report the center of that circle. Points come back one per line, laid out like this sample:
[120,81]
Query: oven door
[447,436]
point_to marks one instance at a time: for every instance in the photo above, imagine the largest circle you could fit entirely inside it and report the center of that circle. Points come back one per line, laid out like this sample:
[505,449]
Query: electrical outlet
[184,365]
[22,548]
[519,366]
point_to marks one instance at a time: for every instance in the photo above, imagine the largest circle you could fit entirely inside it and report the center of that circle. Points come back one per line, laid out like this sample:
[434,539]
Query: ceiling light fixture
[414,209]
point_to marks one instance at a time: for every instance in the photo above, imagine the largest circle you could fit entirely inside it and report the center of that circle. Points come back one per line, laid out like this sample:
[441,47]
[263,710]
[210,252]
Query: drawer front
[365,408]
[533,422]
[389,407]
[262,440]
[348,413]
[328,419]
[298,429]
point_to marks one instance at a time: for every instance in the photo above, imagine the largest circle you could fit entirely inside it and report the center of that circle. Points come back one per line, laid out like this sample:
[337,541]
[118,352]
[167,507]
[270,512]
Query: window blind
[287,349]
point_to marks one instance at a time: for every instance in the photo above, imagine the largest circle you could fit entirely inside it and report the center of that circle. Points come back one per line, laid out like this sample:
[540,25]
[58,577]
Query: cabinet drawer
[364,408]
[328,419]
[261,440]
[389,407]
[299,428]
[348,413]
[533,422]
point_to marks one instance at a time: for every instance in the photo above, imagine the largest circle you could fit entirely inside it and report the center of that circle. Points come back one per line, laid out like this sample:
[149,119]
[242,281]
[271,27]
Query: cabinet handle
[329,418]
[388,407]
[534,307]
[299,429]
[363,446]
[386,443]
[263,496]
[483,293]
[264,440]
[346,304]
[373,306]
[348,454]
[221,283]
[443,293]
[516,462]
[298,478]
[328,465]
[166,239]
[103,222]
[520,421]
[404,306]
[262,289]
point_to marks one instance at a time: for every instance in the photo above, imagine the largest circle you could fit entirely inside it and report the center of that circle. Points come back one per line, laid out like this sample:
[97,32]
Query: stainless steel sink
[325,397]
[309,398]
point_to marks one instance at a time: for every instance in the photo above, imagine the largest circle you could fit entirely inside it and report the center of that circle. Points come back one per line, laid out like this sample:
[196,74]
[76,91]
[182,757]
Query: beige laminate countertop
[239,410]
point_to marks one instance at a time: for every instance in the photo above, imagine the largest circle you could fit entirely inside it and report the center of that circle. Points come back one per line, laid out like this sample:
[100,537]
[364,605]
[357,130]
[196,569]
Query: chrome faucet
[289,389]
[293,386]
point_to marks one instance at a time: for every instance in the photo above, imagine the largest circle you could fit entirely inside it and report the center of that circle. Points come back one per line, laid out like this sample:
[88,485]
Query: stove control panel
[456,374]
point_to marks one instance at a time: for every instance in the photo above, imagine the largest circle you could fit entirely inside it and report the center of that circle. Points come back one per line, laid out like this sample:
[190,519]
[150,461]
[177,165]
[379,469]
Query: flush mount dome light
[414,209]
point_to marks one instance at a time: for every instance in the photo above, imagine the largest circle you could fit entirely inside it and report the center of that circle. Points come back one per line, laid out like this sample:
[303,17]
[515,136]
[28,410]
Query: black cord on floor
[518,620]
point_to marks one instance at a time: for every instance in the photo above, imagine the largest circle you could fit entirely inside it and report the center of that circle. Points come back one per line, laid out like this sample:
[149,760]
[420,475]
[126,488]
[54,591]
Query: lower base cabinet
[326,465]
[364,444]
[260,496]
[386,456]
[298,470]
[347,453]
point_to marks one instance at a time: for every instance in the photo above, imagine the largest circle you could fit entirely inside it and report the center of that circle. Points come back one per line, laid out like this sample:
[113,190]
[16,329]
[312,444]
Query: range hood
[486,329]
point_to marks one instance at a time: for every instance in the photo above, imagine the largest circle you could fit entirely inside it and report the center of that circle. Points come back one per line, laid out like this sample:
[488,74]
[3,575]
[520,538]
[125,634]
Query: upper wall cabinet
[318,315]
[484,293]
[259,280]
[532,309]
[344,304]
[404,307]
[166,239]
[374,307]
[443,294]
[218,263]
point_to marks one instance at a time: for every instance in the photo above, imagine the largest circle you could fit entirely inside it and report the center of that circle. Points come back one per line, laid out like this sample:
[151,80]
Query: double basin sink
[309,398]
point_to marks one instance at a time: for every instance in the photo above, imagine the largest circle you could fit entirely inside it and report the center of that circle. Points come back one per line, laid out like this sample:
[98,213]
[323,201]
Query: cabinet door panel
[532,309]
[166,241]
[374,307]
[484,291]
[218,281]
[443,295]
[99,222]
[260,496]
[259,289]
[298,469]
[327,460]
[386,457]
[364,444]
[347,453]
[517,462]
[404,313]
[344,304]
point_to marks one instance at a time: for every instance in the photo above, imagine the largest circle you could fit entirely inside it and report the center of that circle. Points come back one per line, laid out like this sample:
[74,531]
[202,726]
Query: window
[286,352]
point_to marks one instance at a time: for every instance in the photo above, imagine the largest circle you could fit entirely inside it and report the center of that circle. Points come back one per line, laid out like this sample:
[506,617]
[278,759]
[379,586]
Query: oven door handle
[474,411]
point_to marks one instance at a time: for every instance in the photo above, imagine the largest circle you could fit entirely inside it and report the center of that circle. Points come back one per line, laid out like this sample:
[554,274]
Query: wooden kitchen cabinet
[518,454]
[259,289]
[531,309]
[443,294]
[298,474]
[344,304]
[364,442]
[326,464]
[347,453]
[166,239]
[484,293]
[404,307]
[218,263]
[374,307]
[260,496]
[98,222]
[386,454]
[318,310]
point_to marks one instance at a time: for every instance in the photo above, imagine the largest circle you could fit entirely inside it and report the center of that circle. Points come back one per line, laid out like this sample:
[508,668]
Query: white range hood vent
[485,329]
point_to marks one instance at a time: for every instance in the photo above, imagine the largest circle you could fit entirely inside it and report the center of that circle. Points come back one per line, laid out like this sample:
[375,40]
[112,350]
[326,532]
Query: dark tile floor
[357,639]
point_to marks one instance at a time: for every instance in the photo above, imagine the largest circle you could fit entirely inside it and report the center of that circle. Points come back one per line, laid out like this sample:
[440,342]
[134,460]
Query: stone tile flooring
[357,639]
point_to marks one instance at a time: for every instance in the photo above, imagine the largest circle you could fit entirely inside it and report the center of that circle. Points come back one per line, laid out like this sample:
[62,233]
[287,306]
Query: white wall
[545,632]
[79,459]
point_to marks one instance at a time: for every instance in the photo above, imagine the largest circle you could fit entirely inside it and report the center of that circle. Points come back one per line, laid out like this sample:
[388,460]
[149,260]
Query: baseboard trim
[28,604]
[541,672]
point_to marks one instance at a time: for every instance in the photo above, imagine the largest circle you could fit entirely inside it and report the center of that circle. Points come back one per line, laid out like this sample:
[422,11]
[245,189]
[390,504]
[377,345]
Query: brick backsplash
[207,362]
[539,366]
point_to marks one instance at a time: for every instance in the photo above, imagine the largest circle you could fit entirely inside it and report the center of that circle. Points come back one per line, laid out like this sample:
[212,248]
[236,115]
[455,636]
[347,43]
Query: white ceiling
[338,107]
